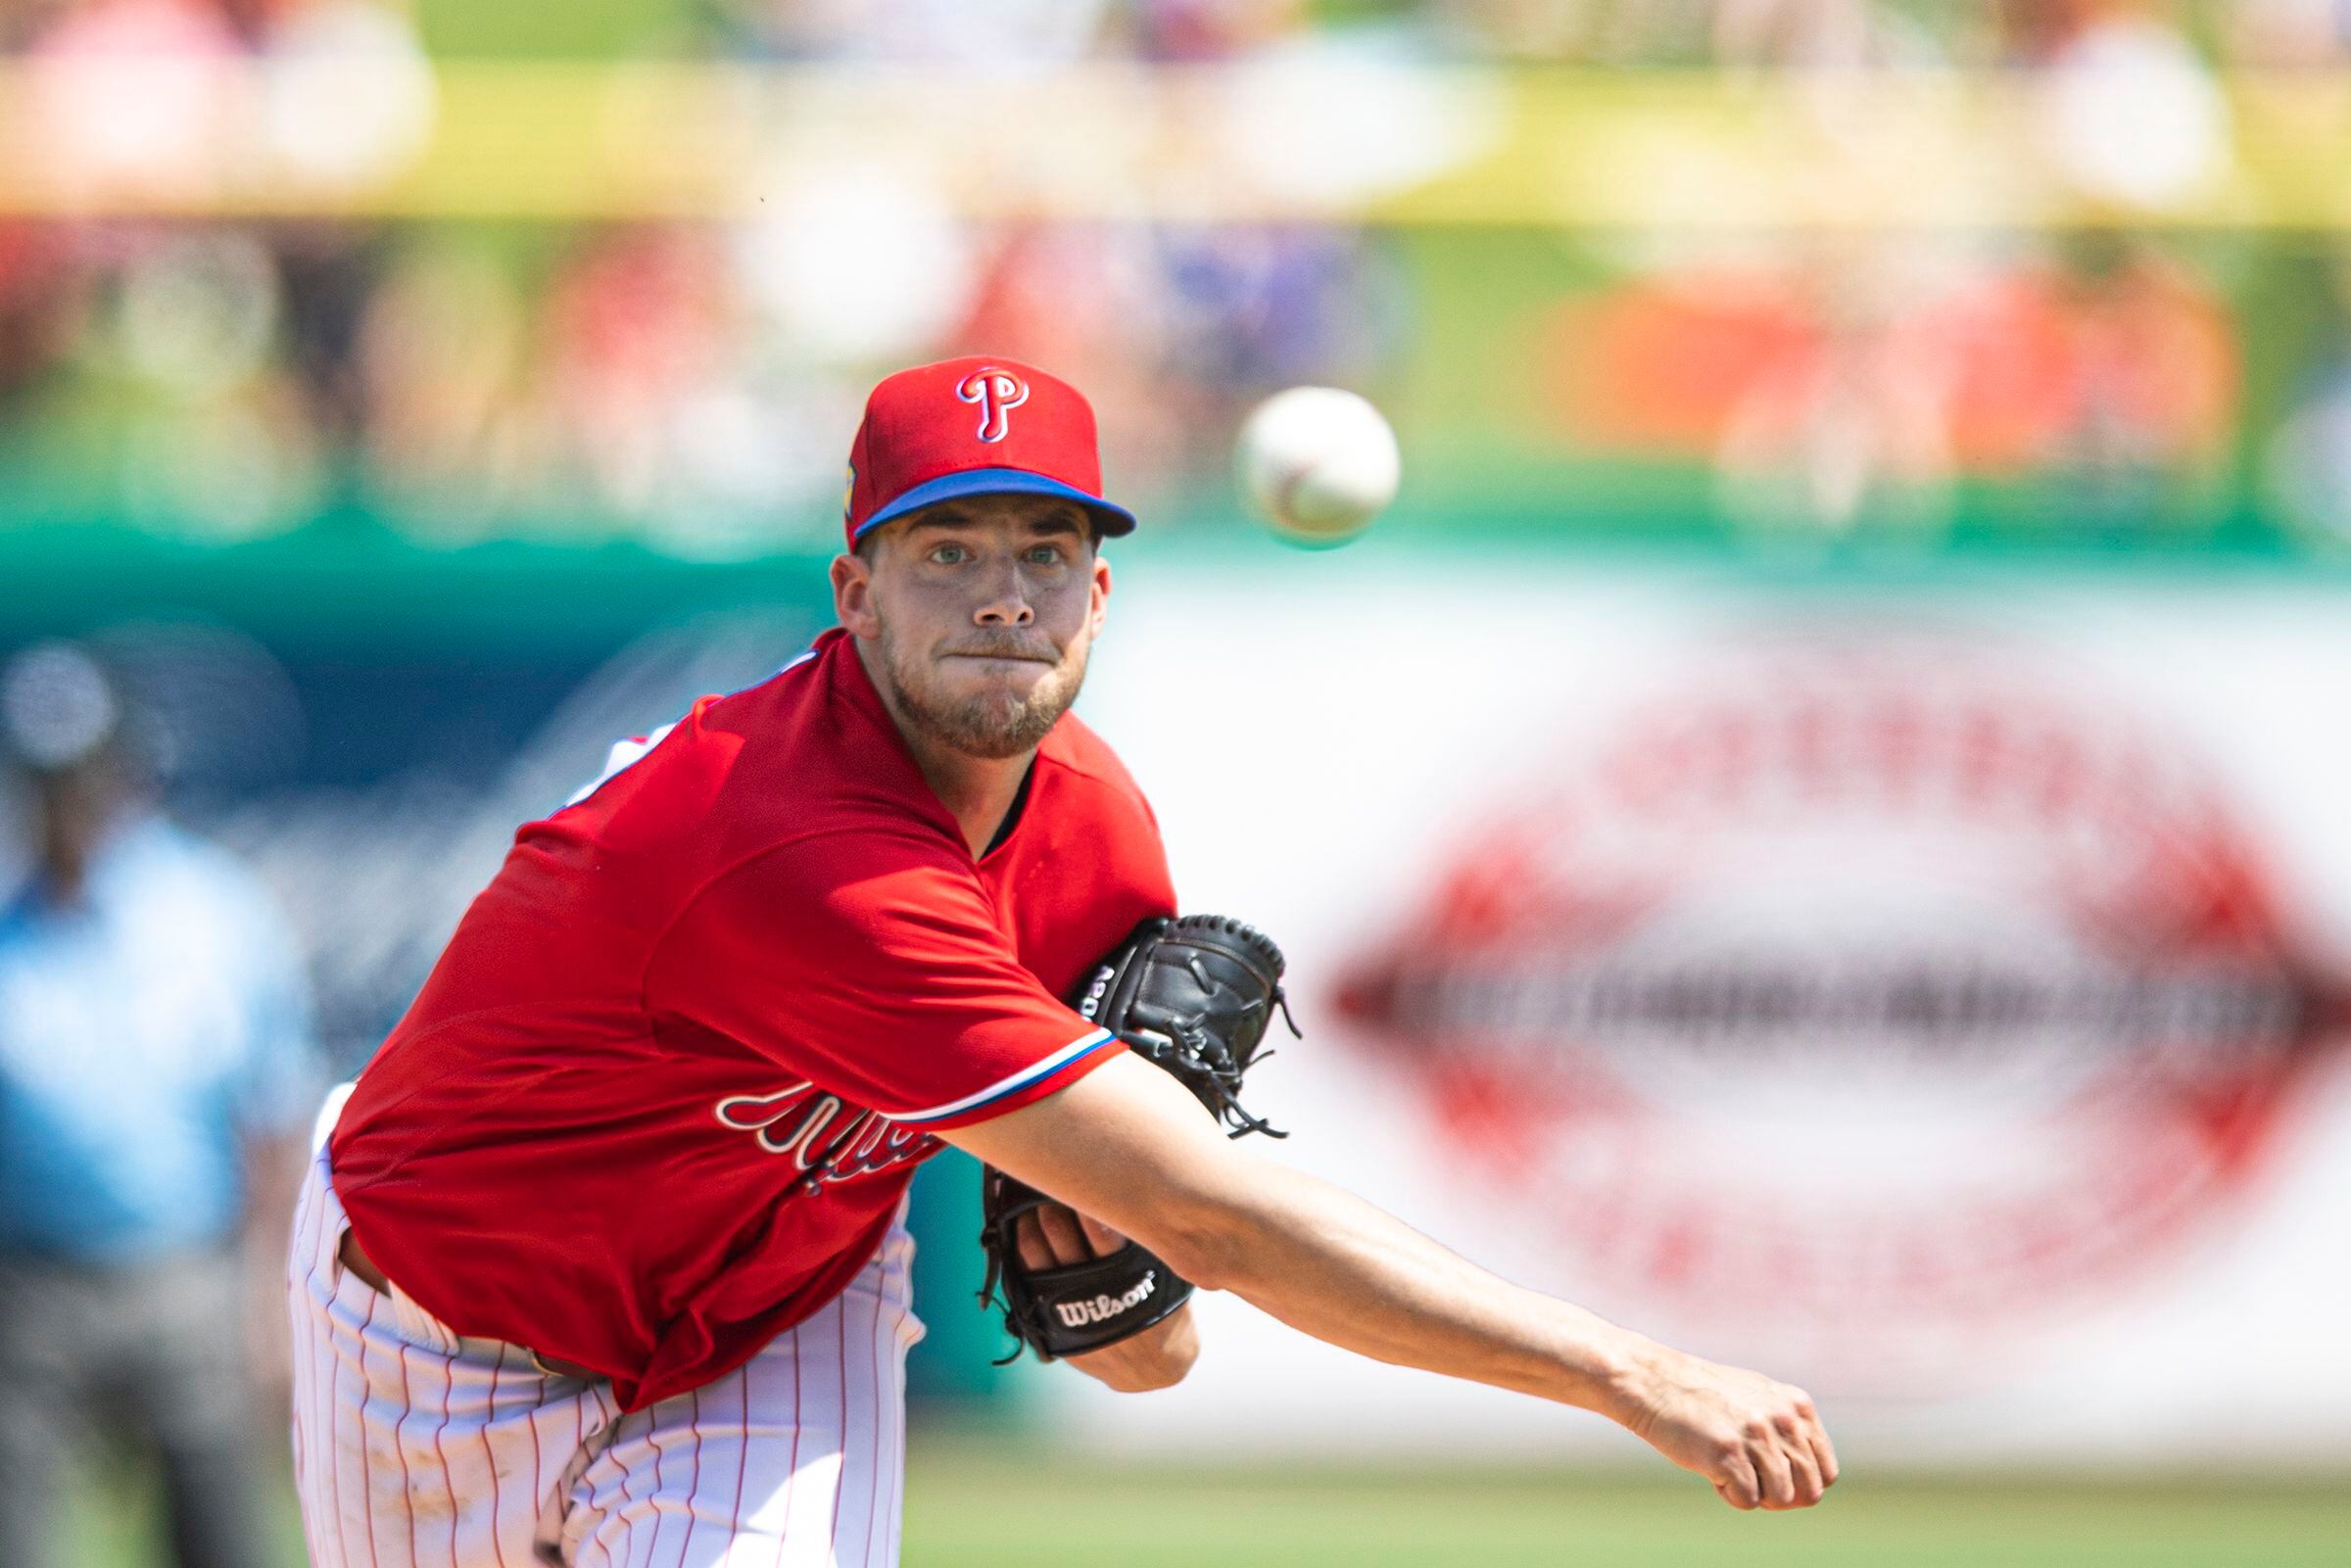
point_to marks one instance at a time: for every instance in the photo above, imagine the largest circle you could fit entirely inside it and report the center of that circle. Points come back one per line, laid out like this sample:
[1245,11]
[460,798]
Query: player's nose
[1005,601]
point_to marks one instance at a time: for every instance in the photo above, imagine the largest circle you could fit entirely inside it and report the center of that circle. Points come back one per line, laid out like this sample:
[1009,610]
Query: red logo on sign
[997,393]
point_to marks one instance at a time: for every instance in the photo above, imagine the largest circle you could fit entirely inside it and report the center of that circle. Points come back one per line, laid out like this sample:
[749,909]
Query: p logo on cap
[973,426]
[997,392]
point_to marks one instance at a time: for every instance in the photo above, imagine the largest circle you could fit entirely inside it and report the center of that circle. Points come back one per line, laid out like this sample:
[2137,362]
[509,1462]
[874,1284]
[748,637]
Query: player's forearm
[1130,1149]
[1332,1265]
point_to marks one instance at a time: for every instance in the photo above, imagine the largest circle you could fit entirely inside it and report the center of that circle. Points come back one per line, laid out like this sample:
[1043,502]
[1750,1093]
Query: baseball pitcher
[600,1261]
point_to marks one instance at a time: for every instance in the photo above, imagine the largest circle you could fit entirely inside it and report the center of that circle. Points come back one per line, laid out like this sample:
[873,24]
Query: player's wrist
[1157,1358]
[1610,1370]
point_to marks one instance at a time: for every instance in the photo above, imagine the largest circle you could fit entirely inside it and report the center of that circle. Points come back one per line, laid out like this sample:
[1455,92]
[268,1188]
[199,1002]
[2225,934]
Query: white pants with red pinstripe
[414,1447]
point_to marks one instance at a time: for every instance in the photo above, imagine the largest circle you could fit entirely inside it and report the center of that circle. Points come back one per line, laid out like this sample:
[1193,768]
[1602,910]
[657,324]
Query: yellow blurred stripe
[1570,147]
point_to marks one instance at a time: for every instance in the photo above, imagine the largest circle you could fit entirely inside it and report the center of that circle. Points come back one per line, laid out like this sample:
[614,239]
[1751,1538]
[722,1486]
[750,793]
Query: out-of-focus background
[1820,826]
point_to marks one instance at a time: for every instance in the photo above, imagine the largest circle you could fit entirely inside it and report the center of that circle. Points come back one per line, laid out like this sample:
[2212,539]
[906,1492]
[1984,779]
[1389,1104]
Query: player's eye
[1044,554]
[950,554]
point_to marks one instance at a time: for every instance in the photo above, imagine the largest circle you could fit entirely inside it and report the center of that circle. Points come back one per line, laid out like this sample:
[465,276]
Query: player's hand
[1761,1441]
[1159,1355]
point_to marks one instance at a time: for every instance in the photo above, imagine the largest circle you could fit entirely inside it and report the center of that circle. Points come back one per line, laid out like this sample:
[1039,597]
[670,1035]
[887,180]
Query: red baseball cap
[979,426]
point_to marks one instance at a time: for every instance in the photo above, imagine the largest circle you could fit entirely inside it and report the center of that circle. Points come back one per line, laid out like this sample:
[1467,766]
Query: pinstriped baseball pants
[414,1447]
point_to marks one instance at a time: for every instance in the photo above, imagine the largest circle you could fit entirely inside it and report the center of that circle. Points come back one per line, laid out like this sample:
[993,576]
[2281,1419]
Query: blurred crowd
[1612,32]
[687,384]
[1637,33]
[691,385]
[1846,32]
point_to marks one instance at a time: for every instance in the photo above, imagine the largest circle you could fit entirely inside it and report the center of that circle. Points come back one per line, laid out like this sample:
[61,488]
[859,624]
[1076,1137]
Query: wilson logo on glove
[1102,1308]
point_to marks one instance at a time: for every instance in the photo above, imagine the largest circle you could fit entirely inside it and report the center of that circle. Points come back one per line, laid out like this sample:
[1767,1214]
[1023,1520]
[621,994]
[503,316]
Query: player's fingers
[1803,1471]
[1734,1481]
[1100,1237]
[1062,1235]
[1824,1452]
[1031,1242]
[1800,1425]
[1772,1470]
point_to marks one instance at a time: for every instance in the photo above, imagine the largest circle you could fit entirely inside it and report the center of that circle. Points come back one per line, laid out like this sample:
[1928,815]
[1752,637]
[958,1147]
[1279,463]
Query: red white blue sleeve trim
[1005,1088]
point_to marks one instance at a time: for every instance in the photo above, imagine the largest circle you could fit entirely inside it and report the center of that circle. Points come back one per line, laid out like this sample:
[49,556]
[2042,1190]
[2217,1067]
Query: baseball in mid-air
[1318,464]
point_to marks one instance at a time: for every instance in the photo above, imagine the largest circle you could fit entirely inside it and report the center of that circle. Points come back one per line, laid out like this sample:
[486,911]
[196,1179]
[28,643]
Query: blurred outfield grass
[971,1506]
[966,1509]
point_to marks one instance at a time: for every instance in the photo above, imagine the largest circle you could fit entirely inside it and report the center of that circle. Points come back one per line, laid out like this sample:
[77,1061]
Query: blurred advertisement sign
[1868,999]
[1931,993]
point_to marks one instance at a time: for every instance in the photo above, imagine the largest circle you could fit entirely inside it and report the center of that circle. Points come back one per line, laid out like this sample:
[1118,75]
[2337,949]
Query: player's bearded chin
[994,724]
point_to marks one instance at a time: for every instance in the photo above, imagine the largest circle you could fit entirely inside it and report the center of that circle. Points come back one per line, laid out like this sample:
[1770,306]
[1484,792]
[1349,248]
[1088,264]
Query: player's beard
[994,725]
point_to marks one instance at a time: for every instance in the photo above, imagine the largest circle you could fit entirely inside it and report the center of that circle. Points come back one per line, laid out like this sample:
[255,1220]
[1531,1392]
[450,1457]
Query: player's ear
[1101,593]
[853,594]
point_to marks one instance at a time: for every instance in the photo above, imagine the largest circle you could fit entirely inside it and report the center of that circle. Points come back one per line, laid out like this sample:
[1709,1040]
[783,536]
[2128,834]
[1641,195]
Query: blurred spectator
[37,315]
[2146,384]
[1654,33]
[2308,464]
[1005,34]
[156,1079]
[133,94]
[181,374]
[346,94]
[1851,429]
[2130,113]
[438,357]
[635,321]
[1215,29]
[1803,33]
[327,274]
[2286,34]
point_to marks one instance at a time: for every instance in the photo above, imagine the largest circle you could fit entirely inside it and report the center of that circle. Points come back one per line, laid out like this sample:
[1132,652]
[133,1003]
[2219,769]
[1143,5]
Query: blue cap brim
[1000,482]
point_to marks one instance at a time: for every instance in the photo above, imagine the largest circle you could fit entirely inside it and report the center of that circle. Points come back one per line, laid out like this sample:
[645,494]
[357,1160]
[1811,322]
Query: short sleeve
[871,965]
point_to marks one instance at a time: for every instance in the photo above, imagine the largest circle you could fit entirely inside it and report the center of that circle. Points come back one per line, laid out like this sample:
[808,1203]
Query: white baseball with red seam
[1318,464]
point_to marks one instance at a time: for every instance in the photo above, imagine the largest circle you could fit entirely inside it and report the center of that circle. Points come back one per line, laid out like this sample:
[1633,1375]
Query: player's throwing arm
[1127,1146]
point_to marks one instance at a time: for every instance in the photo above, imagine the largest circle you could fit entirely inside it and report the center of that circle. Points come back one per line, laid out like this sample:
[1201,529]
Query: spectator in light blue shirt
[157,1078]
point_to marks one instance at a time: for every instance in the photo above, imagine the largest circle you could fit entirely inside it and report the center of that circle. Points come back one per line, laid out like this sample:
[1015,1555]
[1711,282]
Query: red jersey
[663,1091]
